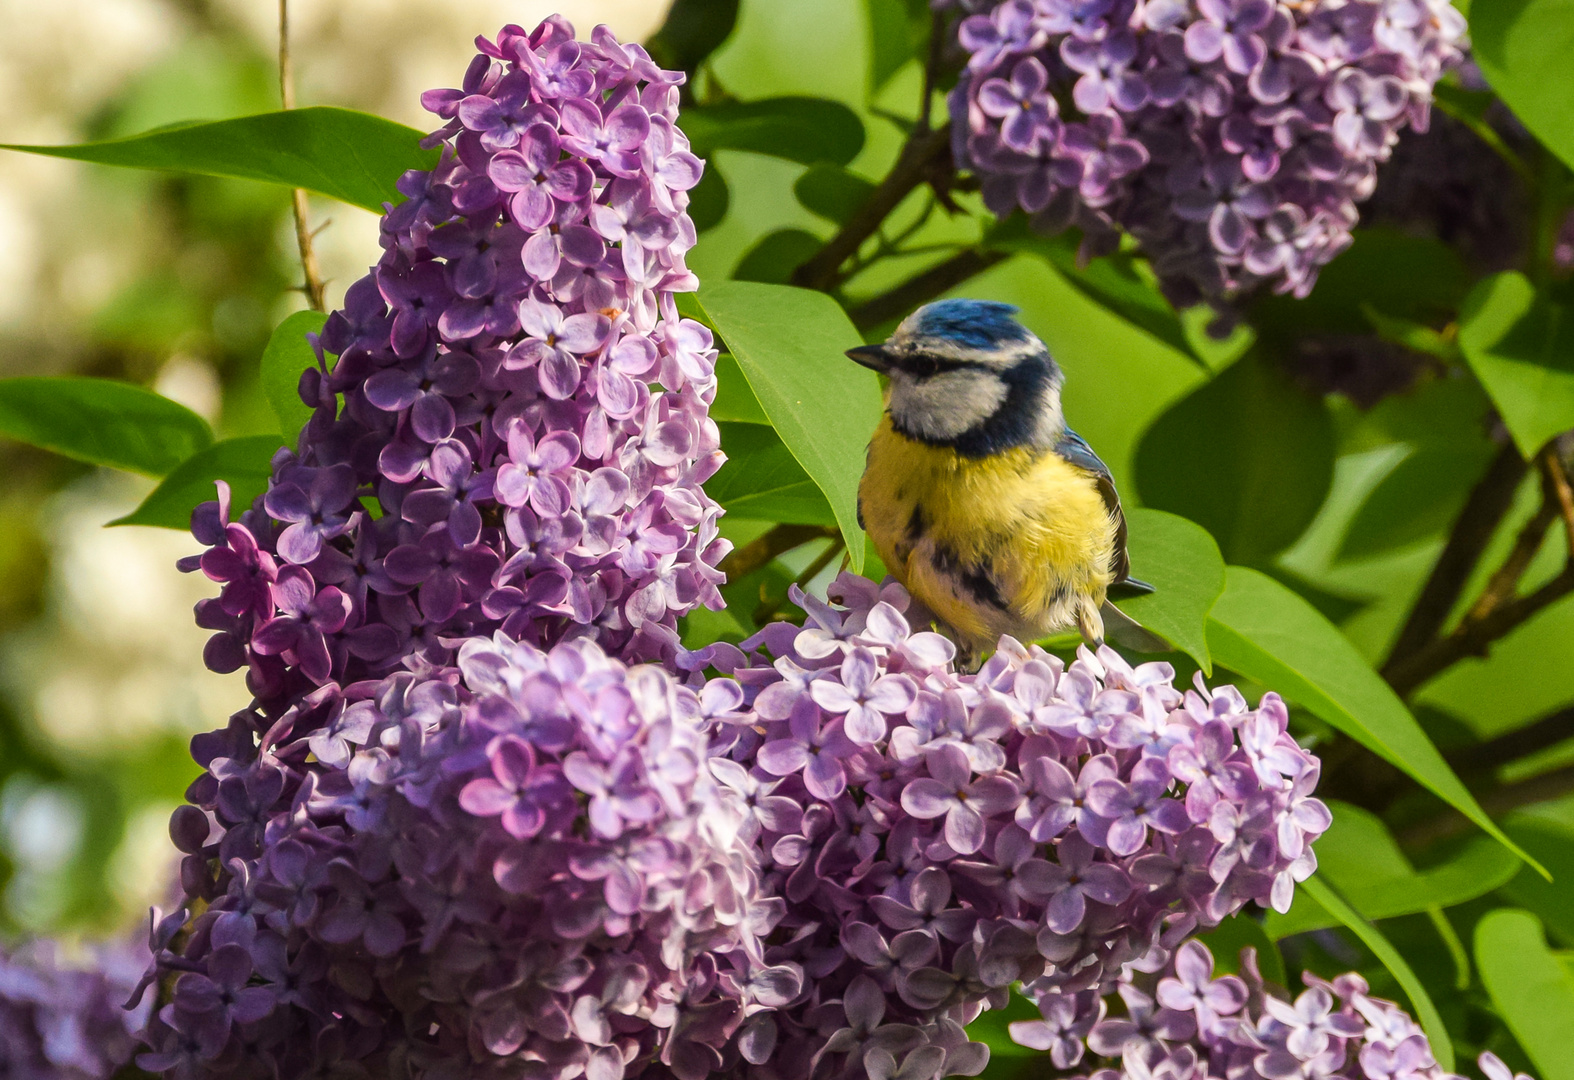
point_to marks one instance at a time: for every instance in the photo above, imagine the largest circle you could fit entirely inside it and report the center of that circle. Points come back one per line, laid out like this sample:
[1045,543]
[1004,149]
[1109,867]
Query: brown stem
[1548,785]
[1482,758]
[1557,475]
[762,549]
[313,285]
[936,281]
[1484,510]
[923,152]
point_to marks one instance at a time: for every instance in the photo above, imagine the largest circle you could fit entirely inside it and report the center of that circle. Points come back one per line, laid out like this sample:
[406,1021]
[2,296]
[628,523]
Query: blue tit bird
[978,497]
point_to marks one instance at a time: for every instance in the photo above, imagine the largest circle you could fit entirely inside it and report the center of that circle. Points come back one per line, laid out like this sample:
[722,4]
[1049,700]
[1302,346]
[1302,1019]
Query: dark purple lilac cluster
[1232,138]
[65,1021]
[939,838]
[1181,1022]
[517,868]
[515,432]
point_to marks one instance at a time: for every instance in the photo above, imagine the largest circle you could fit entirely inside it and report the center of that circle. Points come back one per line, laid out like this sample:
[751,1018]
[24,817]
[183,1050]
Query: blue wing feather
[1075,449]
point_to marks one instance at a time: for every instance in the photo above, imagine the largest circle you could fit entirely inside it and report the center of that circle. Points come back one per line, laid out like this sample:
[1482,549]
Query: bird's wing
[1075,449]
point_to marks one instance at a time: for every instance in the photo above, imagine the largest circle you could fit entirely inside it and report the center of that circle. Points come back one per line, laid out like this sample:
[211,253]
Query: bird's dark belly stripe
[977,581]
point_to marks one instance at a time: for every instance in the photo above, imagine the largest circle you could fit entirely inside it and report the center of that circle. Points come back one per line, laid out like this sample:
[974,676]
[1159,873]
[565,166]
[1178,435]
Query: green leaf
[1360,856]
[790,344]
[890,40]
[694,29]
[1552,901]
[762,481]
[347,155]
[287,355]
[1521,347]
[1418,499]
[709,199]
[832,192]
[801,129]
[776,256]
[735,401]
[1268,633]
[101,422]
[1248,456]
[1182,563]
[1532,991]
[244,463]
[1425,1012]
[1113,281]
[1523,48]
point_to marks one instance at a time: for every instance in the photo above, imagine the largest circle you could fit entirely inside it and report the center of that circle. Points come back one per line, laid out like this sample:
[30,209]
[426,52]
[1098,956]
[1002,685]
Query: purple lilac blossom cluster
[516,868]
[1232,138]
[1182,1023]
[492,449]
[939,837]
[64,1021]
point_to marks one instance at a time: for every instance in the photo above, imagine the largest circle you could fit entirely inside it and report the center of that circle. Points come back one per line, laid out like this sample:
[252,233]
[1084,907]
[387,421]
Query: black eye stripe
[925,366]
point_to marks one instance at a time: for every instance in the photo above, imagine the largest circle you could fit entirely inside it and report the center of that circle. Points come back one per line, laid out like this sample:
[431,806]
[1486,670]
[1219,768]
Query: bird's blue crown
[972,324]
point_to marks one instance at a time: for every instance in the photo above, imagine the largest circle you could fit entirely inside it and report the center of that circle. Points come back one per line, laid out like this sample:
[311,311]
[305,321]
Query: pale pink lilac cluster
[1183,1023]
[517,868]
[940,837]
[1232,138]
[515,431]
[62,1019]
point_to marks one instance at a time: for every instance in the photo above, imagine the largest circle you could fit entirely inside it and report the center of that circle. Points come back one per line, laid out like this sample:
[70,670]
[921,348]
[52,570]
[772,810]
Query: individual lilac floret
[514,433]
[1182,1021]
[938,838]
[65,1021]
[1232,138]
[521,866]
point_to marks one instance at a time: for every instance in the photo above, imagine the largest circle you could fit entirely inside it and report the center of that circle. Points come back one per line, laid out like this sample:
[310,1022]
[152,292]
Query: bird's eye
[924,367]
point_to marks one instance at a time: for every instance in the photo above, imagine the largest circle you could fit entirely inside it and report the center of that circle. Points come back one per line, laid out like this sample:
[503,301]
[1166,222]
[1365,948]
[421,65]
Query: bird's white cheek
[946,405]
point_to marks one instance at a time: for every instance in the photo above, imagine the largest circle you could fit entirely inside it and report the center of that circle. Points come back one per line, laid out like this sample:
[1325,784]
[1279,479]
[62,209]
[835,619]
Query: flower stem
[313,285]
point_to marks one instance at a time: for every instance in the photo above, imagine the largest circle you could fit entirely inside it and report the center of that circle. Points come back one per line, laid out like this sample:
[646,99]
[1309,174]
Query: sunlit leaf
[1247,456]
[790,344]
[735,400]
[801,129]
[340,153]
[762,481]
[287,355]
[1521,347]
[244,463]
[1532,991]
[101,422]
[1182,563]
[1420,1001]
[1523,48]
[1263,630]
[709,199]
[1362,858]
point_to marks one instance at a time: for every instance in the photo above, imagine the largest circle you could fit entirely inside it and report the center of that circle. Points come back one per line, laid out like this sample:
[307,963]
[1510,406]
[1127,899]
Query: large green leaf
[1182,563]
[735,400]
[1532,991]
[1552,902]
[1523,48]
[1265,631]
[287,355]
[1247,456]
[832,192]
[244,463]
[1521,347]
[1113,281]
[1361,857]
[341,153]
[101,422]
[801,129]
[1425,1012]
[790,344]
[890,38]
[694,29]
[762,481]
[776,256]
[1418,499]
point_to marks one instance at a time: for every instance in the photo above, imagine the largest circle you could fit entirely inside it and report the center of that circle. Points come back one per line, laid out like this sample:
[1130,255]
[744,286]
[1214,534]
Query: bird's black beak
[873,357]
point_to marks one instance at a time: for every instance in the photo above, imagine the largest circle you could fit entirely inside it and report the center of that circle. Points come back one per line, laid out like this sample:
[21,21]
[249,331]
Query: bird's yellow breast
[1013,543]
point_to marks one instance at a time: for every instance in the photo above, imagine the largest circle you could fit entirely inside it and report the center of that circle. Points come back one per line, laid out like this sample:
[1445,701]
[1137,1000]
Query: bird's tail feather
[1123,630]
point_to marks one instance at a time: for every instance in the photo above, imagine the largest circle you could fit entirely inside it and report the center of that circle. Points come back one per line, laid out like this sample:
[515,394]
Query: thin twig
[762,549]
[936,281]
[937,23]
[1484,510]
[313,285]
[1558,477]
